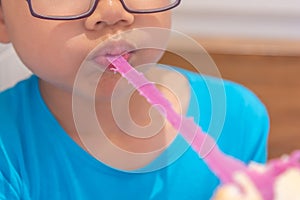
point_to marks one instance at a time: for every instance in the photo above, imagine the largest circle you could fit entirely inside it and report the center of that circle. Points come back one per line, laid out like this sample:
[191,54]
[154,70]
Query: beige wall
[259,19]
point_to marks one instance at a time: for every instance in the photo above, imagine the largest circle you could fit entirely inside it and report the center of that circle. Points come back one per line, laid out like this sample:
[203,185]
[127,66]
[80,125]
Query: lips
[112,49]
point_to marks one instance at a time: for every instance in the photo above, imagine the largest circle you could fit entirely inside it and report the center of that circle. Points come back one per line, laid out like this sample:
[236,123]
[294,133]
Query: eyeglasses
[77,9]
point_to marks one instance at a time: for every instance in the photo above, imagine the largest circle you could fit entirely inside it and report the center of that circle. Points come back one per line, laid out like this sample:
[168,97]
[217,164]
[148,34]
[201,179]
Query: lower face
[55,50]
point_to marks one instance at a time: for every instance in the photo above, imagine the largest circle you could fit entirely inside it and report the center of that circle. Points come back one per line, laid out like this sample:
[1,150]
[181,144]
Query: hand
[247,190]
[287,185]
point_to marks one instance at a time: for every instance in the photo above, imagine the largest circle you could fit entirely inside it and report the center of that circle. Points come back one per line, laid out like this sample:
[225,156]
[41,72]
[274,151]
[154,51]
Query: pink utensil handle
[222,165]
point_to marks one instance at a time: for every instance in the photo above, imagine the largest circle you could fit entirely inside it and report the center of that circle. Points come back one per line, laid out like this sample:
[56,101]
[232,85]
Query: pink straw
[202,143]
[224,166]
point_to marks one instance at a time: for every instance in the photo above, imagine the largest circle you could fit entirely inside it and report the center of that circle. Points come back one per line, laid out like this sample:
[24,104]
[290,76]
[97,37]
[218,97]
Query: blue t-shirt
[38,160]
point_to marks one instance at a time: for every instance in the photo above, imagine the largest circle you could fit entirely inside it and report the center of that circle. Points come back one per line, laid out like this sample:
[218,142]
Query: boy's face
[53,49]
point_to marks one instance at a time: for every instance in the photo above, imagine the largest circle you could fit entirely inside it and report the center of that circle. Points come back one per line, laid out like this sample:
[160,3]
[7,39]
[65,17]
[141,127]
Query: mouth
[112,49]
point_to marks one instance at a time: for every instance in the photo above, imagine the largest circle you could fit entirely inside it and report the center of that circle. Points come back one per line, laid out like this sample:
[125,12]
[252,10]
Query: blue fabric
[38,160]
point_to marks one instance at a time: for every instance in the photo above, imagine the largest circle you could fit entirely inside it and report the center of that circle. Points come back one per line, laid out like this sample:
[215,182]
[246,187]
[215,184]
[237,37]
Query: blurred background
[255,43]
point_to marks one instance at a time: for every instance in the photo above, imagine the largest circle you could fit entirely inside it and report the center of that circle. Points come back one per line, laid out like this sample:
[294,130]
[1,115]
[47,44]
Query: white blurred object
[287,185]
[255,19]
[11,68]
[280,176]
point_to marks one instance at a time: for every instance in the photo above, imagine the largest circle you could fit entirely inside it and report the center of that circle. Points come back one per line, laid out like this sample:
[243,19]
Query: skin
[38,41]
[54,50]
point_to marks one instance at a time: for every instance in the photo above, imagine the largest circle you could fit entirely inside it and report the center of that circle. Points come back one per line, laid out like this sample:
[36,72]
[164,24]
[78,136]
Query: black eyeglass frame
[93,8]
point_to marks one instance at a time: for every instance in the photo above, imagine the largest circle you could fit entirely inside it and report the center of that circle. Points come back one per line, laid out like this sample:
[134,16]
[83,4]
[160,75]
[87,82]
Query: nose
[108,12]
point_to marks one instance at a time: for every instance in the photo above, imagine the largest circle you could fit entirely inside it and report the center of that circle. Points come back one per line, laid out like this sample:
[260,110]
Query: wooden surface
[276,80]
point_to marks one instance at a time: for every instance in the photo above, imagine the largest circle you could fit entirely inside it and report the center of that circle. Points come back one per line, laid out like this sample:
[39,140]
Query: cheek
[162,20]
[49,51]
[39,52]
[167,18]
[27,35]
[158,38]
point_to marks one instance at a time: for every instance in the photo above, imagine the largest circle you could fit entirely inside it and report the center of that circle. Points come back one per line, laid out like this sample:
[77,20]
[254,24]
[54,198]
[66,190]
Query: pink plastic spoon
[224,166]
